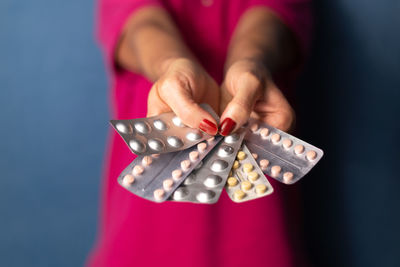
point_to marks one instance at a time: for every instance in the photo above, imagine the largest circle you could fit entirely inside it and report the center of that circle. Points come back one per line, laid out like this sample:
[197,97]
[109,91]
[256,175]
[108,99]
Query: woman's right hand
[180,89]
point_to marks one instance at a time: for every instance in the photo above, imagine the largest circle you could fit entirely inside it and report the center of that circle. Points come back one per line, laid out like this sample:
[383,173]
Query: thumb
[246,91]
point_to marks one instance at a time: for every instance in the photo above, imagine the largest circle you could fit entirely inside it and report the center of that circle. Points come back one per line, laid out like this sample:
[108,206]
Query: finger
[181,101]
[155,105]
[246,91]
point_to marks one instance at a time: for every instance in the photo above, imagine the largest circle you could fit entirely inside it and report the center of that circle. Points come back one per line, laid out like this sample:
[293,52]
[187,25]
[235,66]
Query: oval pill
[174,141]
[146,161]
[212,180]
[311,155]
[180,193]
[299,149]
[155,144]
[275,170]
[225,151]
[232,181]
[219,165]
[205,196]
[260,189]
[275,138]
[246,185]
[128,179]
[253,176]
[123,128]
[142,127]
[160,125]
[137,145]
[194,136]
[137,170]
[287,177]
[241,155]
[232,138]
[177,121]
[247,167]
[190,179]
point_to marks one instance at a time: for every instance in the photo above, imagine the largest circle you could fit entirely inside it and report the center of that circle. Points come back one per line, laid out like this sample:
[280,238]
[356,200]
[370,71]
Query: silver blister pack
[159,134]
[206,183]
[247,181]
[281,155]
[155,177]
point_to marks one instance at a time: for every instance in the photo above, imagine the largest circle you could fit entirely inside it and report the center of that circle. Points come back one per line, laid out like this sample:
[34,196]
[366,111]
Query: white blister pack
[155,177]
[247,180]
[159,134]
[281,155]
[206,183]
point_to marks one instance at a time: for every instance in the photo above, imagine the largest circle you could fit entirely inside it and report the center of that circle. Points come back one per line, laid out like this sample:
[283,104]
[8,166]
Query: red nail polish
[208,127]
[227,126]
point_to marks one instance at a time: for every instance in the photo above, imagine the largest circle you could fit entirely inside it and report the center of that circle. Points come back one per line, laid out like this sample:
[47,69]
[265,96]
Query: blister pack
[247,180]
[155,177]
[206,183]
[159,134]
[281,155]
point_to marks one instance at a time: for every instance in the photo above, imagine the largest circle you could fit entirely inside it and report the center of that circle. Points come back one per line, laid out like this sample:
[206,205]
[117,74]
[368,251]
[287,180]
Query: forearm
[149,42]
[262,37]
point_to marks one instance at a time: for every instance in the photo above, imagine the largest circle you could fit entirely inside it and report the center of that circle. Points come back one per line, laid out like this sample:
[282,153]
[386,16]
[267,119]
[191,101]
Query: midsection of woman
[136,232]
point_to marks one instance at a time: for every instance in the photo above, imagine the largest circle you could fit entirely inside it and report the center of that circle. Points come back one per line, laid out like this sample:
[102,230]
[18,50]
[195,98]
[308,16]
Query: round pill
[190,179]
[180,193]
[239,194]
[264,132]
[287,177]
[275,138]
[176,174]
[287,143]
[194,135]
[160,125]
[158,194]
[299,149]
[155,155]
[177,121]
[219,165]
[137,170]
[185,165]
[254,127]
[246,185]
[264,164]
[142,127]
[255,156]
[225,151]
[128,179]
[235,164]
[232,181]
[205,196]
[232,138]
[146,161]
[201,147]
[241,155]
[247,167]
[137,146]
[156,144]
[194,155]
[212,180]
[260,189]
[311,155]
[253,176]
[174,141]
[275,170]
[167,184]
[123,128]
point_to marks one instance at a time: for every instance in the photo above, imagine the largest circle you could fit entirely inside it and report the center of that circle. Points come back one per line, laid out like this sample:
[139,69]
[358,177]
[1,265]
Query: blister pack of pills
[155,177]
[206,183]
[159,134]
[281,155]
[247,180]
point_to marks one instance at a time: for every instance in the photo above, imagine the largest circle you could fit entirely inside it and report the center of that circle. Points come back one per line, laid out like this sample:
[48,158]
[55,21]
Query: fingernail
[208,127]
[227,126]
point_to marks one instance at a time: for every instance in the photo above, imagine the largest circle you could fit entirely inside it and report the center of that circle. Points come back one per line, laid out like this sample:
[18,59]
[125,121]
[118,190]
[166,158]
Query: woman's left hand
[248,89]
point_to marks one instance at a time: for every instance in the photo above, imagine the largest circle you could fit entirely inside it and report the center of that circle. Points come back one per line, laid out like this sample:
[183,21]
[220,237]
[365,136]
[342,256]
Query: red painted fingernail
[208,127]
[227,126]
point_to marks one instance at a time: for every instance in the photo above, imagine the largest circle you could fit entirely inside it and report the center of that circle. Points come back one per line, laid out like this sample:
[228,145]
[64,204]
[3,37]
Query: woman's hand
[183,85]
[248,89]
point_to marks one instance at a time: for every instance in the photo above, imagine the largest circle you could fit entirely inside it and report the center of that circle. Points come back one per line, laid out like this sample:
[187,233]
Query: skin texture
[261,44]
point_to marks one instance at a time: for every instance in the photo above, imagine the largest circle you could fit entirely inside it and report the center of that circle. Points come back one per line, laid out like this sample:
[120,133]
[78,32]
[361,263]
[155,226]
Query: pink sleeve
[296,14]
[112,15]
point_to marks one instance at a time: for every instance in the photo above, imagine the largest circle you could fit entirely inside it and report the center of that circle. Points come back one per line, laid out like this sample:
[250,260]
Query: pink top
[137,232]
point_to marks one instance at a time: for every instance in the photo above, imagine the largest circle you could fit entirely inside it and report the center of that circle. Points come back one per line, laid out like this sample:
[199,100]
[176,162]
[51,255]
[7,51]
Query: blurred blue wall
[53,114]
[54,121]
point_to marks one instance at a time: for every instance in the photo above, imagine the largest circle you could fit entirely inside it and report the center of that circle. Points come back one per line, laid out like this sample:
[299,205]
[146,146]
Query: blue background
[54,114]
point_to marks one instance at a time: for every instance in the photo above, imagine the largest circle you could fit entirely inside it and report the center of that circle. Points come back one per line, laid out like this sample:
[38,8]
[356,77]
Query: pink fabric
[136,232]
